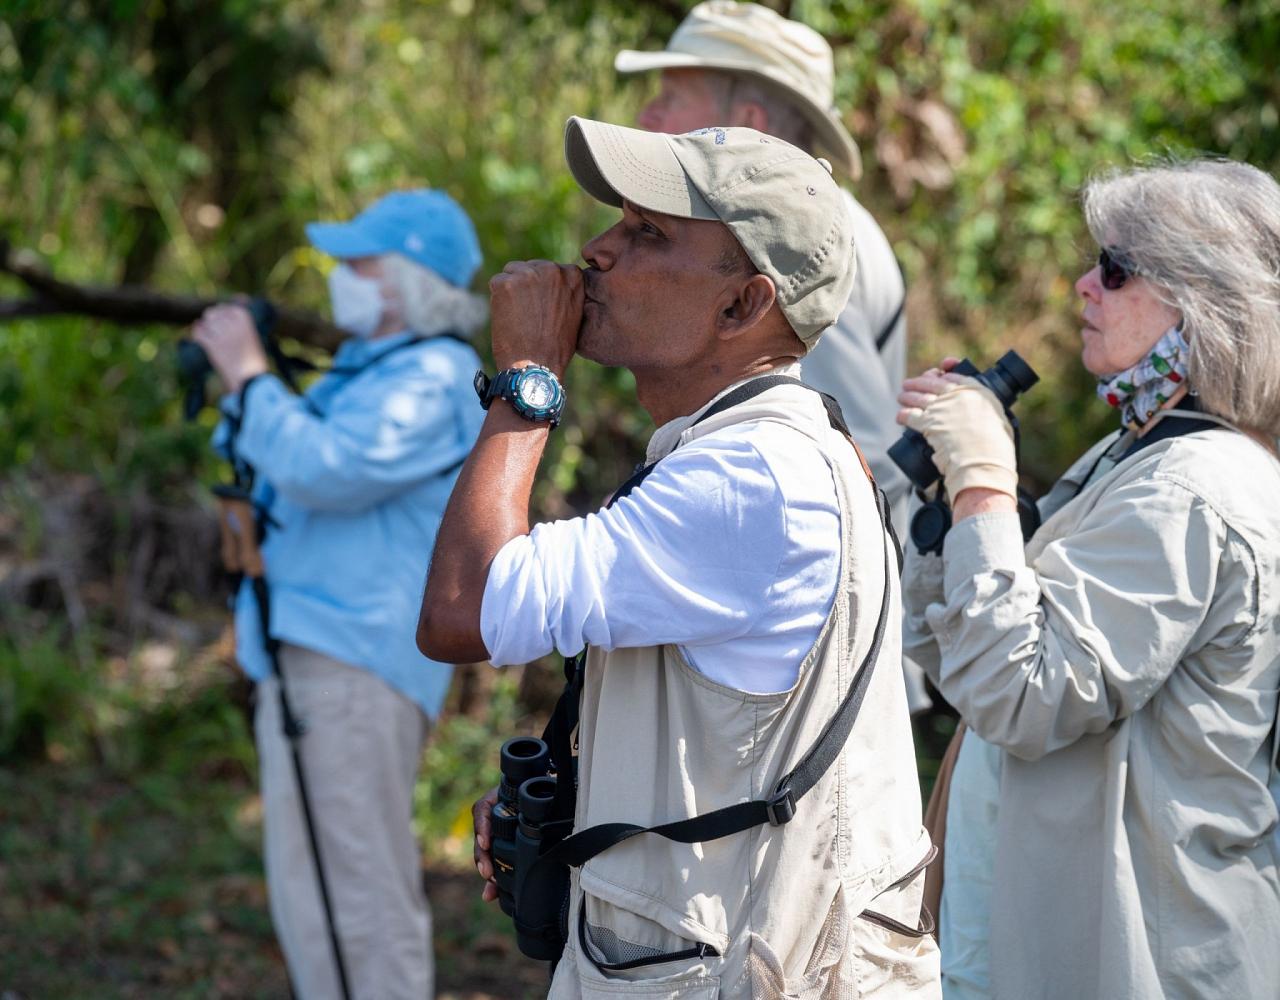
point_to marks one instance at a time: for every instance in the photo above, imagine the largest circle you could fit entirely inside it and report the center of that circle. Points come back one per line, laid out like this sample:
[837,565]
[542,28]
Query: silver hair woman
[1205,235]
[1112,822]
[428,304]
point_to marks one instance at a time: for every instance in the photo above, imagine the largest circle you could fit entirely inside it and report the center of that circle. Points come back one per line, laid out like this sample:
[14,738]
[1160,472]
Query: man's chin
[592,345]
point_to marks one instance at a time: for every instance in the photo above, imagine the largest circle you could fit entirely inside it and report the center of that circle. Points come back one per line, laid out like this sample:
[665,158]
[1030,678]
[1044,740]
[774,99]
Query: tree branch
[133,303]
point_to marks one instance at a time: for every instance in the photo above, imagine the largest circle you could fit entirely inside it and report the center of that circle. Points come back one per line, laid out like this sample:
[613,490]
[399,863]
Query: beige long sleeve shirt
[1127,660]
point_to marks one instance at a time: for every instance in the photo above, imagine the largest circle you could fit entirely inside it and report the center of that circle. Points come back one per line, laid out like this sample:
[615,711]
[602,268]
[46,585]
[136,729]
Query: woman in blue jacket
[351,480]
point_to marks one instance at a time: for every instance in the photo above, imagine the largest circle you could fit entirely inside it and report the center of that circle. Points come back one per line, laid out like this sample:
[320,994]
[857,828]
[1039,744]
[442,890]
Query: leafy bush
[202,134]
[44,696]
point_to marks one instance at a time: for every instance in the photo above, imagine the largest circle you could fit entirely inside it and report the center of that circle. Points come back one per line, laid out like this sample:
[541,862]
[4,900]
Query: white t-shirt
[730,549]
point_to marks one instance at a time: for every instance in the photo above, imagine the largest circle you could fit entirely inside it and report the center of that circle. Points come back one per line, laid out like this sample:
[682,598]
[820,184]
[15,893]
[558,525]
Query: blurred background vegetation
[184,143]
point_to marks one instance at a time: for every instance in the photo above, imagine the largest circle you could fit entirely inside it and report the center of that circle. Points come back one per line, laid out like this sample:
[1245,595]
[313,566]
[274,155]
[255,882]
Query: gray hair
[785,119]
[1206,234]
[429,305]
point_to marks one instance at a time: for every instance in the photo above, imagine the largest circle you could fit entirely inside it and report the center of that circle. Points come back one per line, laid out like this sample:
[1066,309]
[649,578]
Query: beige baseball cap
[780,203]
[747,38]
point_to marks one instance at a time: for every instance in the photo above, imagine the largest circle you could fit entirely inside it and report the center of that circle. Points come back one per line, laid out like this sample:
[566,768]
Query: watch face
[537,391]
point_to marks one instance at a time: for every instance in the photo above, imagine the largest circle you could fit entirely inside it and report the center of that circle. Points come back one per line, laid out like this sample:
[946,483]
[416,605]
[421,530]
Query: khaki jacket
[1128,663]
[660,741]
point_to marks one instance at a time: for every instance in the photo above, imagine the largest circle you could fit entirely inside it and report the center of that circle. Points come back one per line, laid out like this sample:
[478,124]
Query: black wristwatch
[534,392]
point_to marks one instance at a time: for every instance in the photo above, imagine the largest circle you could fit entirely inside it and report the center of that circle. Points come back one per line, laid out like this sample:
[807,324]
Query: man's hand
[536,313]
[480,813]
[536,310]
[228,336]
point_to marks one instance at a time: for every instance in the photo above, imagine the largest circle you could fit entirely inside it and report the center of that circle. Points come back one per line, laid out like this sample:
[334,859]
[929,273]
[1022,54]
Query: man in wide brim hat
[752,41]
[743,64]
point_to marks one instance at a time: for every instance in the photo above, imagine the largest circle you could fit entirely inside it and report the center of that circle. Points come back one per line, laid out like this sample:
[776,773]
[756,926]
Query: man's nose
[599,251]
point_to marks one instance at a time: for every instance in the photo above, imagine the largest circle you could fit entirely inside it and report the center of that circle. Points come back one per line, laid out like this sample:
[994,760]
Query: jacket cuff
[229,405]
[980,544]
[243,394]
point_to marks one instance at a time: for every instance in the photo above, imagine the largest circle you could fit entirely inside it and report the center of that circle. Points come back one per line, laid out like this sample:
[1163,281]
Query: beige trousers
[360,754]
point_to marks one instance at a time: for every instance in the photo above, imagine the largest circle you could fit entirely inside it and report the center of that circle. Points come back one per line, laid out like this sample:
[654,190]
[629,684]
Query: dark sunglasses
[1115,270]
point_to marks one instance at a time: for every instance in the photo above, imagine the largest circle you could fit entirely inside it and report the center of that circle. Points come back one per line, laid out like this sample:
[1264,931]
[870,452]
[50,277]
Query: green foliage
[189,142]
[44,696]
[120,886]
[84,397]
[460,763]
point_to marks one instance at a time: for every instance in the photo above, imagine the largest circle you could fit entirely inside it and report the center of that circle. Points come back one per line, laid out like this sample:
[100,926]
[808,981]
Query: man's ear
[755,297]
[751,115]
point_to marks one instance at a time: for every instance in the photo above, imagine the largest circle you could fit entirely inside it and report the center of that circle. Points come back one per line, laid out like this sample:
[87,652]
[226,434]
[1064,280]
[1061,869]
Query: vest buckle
[781,807]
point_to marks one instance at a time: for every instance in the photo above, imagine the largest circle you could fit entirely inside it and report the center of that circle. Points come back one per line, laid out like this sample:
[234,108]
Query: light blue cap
[428,227]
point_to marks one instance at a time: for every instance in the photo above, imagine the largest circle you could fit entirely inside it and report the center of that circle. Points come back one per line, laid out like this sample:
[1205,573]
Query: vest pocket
[620,953]
[892,949]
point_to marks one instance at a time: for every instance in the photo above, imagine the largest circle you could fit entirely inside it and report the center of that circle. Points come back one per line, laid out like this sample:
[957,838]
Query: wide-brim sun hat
[426,226]
[780,203]
[755,41]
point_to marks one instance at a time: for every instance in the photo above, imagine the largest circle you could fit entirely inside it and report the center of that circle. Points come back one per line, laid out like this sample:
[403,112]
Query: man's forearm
[488,508]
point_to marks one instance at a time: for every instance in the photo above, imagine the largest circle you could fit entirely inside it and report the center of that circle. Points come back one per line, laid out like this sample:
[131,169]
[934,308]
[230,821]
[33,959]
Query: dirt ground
[114,889]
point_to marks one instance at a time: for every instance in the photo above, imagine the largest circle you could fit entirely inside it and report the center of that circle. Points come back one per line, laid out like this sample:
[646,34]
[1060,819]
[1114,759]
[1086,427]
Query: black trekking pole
[241,555]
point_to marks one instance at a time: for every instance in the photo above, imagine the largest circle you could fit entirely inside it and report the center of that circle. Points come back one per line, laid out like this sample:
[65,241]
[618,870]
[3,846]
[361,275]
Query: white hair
[1206,234]
[430,305]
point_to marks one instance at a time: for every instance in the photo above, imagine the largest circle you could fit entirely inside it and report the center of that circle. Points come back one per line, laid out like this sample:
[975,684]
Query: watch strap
[502,386]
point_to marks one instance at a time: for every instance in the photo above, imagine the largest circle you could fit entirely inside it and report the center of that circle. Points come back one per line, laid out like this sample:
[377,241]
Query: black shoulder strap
[780,807]
[1171,426]
[351,371]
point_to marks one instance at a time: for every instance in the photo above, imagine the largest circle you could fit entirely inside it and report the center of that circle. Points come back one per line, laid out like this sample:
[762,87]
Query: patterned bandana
[1141,390]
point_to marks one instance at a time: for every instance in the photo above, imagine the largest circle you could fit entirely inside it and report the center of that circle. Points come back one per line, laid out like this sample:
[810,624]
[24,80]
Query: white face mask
[356,301]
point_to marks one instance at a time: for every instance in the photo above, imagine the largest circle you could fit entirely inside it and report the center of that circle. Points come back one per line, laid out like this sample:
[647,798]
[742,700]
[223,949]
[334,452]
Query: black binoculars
[194,368]
[535,896]
[1008,379]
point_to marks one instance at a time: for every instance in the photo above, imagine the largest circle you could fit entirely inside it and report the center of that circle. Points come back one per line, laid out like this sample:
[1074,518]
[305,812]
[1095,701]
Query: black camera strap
[777,810]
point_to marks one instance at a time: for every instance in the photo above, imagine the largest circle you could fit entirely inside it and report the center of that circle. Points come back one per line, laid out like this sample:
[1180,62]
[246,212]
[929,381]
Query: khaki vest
[659,742]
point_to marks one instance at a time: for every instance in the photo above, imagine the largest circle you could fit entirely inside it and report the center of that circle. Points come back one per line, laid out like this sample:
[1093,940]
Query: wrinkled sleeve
[386,433]
[1035,657]
[666,564]
[921,587]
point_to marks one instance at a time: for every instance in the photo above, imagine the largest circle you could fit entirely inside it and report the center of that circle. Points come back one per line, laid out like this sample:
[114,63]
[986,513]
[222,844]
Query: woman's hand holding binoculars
[972,440]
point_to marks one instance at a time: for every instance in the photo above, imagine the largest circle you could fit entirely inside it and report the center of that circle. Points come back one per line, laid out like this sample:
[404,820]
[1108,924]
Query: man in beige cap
[743,64]
[737,600]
